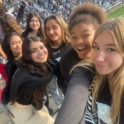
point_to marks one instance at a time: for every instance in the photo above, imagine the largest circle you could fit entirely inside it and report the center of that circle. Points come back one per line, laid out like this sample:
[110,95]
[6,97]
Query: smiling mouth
[41,57]
[101,66]
[81,49]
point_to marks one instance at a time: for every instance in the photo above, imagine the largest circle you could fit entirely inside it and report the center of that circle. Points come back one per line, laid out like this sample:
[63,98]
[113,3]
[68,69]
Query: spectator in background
[34,26]
[21,11]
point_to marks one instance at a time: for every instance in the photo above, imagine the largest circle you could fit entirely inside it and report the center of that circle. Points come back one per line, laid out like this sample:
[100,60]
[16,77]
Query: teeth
[41,56]
[81,48]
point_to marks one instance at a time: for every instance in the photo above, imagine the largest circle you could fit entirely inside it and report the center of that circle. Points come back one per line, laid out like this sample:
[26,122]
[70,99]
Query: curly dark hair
[28,29]
[36,69]
[88,13]
[9,24]
[6,45]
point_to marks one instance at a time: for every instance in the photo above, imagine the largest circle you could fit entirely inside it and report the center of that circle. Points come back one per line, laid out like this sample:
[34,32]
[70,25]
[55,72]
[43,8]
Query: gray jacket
[73,107]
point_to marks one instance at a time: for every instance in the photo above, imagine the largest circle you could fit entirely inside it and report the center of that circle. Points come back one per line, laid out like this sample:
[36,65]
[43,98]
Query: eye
[54,27]
[84,36]
[110,49]
[95,47]
[73,37]
[13,43]
[47,29]
[41,47]
[33,51]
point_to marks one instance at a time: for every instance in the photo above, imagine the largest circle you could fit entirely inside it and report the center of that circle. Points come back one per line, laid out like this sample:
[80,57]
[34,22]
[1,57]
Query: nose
[99,56]
[50,31]
[18,44]
[80,40]
[40,51]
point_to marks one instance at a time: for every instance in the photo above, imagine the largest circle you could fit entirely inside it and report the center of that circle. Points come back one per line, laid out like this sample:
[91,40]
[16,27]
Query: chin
[102,73]
[81,56]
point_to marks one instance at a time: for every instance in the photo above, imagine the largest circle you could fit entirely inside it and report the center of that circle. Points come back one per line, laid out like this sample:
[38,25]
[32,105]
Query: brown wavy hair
[9,24]
[36,69]
[3,9]
[62,24]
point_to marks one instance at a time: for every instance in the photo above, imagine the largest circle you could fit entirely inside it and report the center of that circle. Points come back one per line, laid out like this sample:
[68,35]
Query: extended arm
[73,107]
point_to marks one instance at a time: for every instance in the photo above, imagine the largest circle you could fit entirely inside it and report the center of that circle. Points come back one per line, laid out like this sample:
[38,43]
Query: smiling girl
[83,23]
[57,42]
[28,85]
[34,26]
[105,103]
[12,47]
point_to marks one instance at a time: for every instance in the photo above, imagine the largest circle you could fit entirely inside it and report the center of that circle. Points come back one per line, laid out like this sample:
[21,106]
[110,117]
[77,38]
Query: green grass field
[116,13]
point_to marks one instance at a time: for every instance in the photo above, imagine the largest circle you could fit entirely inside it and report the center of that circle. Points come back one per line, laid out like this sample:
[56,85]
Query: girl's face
[81,39]
[34,23]
[16,45]
[53,30]
[39,52]
[106,55]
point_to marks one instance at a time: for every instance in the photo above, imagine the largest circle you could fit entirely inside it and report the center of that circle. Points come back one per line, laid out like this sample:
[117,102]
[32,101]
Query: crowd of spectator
[47,7]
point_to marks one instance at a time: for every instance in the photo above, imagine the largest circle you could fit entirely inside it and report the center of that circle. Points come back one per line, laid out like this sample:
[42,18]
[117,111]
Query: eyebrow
[33,49]
[16,41]
[82,31]
[106,44]
[51,26]
[36,48]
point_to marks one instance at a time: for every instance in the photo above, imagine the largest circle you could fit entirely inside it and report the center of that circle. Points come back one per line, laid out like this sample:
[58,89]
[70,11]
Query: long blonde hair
[62,24]
[116,85]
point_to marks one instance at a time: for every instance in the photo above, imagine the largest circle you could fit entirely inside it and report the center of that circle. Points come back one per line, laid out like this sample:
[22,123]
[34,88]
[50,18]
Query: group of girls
[95,93]
[27,59]
[92,49]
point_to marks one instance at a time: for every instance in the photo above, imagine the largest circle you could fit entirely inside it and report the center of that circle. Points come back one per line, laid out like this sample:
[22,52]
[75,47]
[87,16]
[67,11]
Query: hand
[24,3]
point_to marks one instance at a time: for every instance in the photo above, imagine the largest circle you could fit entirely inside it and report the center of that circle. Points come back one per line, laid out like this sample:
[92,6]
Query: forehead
[15,38]
[82,27]
[51,22]
[34,18]
[35,44]
[104,38]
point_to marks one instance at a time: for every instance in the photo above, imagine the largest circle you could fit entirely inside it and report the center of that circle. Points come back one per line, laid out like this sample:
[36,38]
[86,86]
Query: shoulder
[83,72]
[22,76]
[70,53]
[81,77]
[70,58]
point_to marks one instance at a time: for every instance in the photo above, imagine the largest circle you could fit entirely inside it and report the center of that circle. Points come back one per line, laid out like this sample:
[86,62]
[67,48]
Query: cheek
[93,55]
[47,32]
[117,61]
[46,51]
[33,57]
[12,47]
[58,31]
[38,24]
[30,24]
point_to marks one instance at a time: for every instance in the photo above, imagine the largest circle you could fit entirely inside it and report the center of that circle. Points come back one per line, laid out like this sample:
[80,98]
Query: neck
[56,44]
[18,56]
[33,33]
